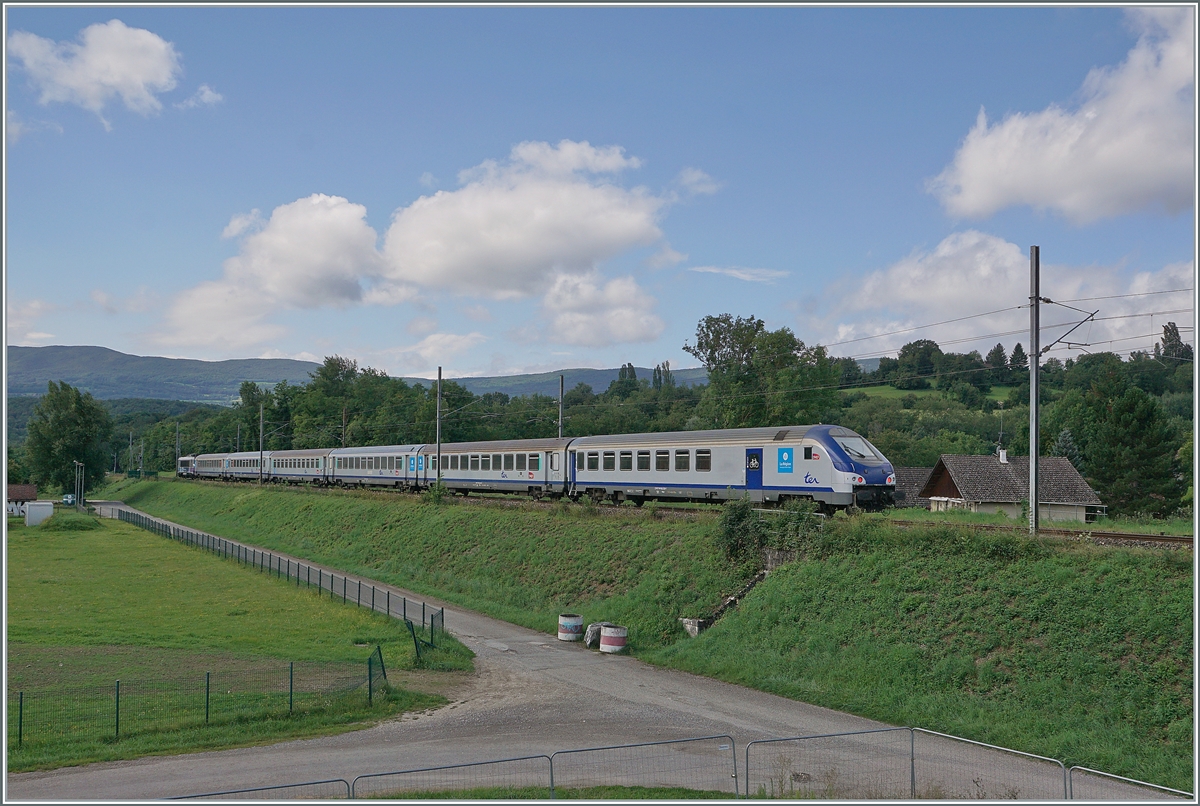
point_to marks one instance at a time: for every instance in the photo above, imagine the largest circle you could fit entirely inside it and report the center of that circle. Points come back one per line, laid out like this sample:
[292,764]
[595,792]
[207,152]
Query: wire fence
[431,620]
[52,714]
[333,789]
[525,777]
[884,764]
[873,764]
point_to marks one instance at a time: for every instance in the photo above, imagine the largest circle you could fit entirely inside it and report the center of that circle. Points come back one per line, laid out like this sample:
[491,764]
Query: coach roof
[722,436]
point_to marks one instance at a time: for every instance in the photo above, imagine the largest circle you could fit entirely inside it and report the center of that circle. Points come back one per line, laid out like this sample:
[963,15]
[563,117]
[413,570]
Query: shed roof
[22,492]
[911,481]
[986,478]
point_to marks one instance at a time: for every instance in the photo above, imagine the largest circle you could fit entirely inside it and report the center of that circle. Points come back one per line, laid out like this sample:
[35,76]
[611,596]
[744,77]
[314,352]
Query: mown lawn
[92,602]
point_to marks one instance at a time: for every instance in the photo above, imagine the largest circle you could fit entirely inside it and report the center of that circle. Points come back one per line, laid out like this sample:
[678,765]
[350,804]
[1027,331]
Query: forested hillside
[1125,423]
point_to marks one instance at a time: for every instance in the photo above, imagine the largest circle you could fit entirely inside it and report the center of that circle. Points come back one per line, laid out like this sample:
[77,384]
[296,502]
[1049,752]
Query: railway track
[1097,536]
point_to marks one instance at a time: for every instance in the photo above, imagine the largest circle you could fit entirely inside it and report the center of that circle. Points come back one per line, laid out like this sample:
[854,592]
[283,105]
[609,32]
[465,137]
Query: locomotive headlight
[890,480]
[854,478]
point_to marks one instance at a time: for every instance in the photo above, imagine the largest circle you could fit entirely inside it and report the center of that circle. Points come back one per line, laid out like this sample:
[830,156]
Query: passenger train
[828,464]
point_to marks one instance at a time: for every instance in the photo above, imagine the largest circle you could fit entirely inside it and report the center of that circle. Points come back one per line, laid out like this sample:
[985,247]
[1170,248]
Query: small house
[18,496]
[999,483]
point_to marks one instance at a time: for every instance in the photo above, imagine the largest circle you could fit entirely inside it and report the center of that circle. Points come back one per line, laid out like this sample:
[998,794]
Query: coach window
[535,461]
[521,461]
[627,460]
[508,461]
[643,460]
[474,462]
[703,459]
[662,460]
[683,460]
[485,462]
[610,460]
[593,461]
[495,461]
[454,462]
[463,461]
[808,451]
[579,460]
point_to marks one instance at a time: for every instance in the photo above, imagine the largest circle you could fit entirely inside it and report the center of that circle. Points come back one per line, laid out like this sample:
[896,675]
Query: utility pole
[238,447]
[439,426]
[260,442]
[343,426]
[177,447]
[142,459]
[560,405]
[1035,298]
[130,466]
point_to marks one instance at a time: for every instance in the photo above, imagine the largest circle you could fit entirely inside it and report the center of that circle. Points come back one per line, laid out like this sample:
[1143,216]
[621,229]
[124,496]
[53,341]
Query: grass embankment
[1076,652]
[1063,649]
[91,602]
[519,562]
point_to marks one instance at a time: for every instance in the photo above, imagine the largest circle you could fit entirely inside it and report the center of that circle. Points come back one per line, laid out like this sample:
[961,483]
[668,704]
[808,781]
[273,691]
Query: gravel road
[532,694]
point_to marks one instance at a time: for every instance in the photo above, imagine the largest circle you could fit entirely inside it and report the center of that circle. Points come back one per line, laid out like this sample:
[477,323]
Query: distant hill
[546,383]
[108,374]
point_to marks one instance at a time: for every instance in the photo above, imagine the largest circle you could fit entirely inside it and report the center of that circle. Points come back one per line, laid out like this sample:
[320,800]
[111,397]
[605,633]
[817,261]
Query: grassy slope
[520,563]
[86,607]
[1078,652]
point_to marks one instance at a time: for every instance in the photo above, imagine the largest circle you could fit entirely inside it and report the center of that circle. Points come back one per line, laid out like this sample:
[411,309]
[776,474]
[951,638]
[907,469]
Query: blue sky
[501,190]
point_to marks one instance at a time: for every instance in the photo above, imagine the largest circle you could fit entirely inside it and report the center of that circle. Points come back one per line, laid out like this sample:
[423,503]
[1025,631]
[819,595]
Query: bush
[741,533]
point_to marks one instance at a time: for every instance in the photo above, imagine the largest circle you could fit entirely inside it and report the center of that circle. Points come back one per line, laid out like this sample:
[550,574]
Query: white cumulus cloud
[588,312]
[311,253]
[1127,146]
[205,96]
[697,182]
[513,226]
[971,273]
[110,60]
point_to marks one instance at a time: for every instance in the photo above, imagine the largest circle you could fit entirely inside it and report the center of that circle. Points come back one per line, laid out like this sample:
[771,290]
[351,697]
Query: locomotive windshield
[858,448]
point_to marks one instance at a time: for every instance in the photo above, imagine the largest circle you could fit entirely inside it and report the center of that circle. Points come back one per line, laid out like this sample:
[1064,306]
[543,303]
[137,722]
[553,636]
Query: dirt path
[530,694]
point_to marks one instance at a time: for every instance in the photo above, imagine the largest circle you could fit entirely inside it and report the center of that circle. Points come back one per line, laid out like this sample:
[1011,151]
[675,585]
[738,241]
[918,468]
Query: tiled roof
[22,492]
[986,478]
[910,481]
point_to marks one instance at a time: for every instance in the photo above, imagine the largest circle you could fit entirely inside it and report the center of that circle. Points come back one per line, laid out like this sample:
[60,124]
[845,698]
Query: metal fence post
[291,684]
[343,589]
[117,734]
[370,680]
[372,598]
[359,589]
[207,689]
[912,763]
[20,717]
[389,602]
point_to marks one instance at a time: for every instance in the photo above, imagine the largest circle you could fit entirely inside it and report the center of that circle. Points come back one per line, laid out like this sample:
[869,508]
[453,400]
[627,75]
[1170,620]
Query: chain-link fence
[431,620]
[128,707]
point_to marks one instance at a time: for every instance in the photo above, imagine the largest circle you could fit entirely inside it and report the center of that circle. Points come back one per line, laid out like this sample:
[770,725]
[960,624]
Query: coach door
[754,470]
